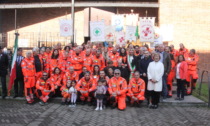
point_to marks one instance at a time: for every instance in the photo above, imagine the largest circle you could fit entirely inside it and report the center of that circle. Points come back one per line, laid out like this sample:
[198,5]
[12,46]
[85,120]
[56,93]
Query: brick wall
[191,22]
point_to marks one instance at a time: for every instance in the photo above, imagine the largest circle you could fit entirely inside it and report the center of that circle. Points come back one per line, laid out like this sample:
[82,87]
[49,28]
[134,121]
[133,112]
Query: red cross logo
[147,31]
[109,35]
[121,39]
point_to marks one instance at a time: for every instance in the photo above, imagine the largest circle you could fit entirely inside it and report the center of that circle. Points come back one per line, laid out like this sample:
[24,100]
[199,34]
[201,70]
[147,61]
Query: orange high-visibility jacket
[114,58]
[28,67]
[64,64]
[99,61]
[136,87]
[52,64]
[56,79]
[117,84]
[88,60]
[183,52]
[44,85]
[77,62]
[86,85]
[70,76]
[192,61]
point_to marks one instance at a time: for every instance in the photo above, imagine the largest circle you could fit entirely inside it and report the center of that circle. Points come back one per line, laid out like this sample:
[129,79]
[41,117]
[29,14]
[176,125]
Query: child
[100,94]
[73,93]
[65,93]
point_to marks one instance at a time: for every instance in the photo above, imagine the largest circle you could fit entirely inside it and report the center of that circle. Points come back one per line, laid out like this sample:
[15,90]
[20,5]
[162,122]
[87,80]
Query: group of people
[101,75]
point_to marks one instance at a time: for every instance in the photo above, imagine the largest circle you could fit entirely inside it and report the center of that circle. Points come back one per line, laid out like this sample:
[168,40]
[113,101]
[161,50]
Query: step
[188,101]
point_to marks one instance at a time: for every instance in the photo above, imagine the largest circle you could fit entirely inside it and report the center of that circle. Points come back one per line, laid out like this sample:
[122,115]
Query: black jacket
[143,65]
[3,64]
[19,72]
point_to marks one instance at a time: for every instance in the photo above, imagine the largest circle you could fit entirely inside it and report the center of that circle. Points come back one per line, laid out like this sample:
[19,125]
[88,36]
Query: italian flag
[13,67]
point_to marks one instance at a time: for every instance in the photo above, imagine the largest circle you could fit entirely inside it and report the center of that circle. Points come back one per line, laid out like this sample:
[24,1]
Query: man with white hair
[117,90]
[29,71]
[166,60]
[38,63]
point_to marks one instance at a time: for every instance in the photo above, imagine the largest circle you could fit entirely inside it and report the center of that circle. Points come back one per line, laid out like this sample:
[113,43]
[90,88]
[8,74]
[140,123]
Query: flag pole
[72,17]
[15,20]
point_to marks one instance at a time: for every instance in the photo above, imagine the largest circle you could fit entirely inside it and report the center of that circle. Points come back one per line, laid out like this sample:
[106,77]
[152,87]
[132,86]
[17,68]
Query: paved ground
[16,112]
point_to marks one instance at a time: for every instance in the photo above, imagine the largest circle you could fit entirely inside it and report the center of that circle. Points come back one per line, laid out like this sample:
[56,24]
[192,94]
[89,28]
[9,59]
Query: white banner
[130,33]
[132,19]
[158,36]
[147,29]
[97,31]
[109,33]
[65,28]
[120,38]
[118,22]
[167,32]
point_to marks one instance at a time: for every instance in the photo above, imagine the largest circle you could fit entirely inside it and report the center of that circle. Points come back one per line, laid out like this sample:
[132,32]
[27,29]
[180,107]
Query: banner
[118,22]
[120,38]
[167,32]
[147,29]
[65,28]
[132,19]
[109,33]
[130,33]
[97,31]
[158,36]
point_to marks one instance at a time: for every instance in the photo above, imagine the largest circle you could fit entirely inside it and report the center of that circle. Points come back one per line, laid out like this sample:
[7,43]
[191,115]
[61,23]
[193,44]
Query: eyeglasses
[117,73]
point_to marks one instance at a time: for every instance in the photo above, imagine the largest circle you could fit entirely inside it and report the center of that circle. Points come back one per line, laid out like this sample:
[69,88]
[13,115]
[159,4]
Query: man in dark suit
[3,72]
[166,60]
[19,83]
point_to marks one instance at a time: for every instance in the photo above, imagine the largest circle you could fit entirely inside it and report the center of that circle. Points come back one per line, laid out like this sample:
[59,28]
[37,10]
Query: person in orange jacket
[192,76]
[53,62]
[117,89]
[174,52]
[55,79]
[70,75]
[65,93]
[45,88]
[29,72]
[171,76]
[64,63]
[98,59]
[86,87]
[181,76]
[114,57]
[182,50]
[77,61]
[136,89]
[38,63]
[88,60]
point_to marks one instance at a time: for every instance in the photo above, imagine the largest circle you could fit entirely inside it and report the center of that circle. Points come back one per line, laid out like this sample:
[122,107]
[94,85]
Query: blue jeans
[165,89]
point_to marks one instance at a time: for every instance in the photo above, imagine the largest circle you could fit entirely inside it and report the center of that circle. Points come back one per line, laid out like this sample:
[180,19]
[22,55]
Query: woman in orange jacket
[53,62]
[55,79]
[181,75]
[171,76]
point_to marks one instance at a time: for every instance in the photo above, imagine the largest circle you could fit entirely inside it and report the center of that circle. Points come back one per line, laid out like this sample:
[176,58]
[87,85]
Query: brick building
[37,21]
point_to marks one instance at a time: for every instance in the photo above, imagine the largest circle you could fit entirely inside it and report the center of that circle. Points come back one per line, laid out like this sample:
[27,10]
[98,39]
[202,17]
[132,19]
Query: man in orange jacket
[182,50]
[114,57]
[70,75]
[117,89]
[45,88]
[136,89]
[77,61]
[29,72]
[86,87]
[192,75]
[98,59]
[88,59]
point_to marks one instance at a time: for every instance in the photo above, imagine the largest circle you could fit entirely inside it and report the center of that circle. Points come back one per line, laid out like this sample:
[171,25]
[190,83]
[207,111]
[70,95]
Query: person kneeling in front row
[45,89]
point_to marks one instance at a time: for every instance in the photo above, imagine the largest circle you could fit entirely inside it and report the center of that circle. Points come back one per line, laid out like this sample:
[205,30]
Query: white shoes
[98,108]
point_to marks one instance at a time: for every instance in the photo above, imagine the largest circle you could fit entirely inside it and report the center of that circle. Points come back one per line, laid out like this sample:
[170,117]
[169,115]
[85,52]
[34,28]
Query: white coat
[155,71]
